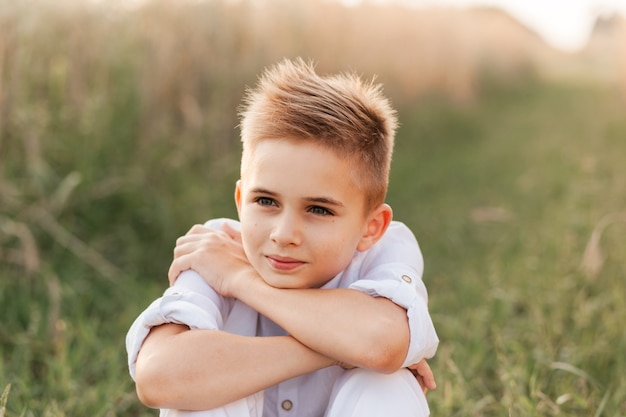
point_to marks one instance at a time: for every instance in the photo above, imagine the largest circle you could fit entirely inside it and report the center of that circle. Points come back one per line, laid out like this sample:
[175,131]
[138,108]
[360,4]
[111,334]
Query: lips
[282,263]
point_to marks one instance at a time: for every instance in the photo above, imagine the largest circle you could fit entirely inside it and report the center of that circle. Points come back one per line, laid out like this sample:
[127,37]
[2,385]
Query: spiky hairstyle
[342,112]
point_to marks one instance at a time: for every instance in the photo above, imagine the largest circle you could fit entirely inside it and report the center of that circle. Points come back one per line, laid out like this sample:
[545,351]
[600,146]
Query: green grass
[504,198]
[100,171]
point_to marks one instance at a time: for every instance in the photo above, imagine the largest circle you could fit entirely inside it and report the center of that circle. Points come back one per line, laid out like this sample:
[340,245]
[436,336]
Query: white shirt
[391,268]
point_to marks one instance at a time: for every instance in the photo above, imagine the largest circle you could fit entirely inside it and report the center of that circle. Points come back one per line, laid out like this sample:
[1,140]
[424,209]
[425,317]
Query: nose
[286,230]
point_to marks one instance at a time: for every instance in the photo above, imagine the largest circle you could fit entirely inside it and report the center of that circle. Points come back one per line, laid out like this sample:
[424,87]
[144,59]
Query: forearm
[202,369]
[344,324]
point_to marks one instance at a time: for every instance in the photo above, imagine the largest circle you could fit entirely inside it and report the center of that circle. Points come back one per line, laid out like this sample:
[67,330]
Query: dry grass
[188,57]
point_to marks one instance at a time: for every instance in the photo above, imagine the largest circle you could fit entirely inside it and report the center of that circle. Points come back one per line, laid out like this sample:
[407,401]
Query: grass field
[516,194]
[505,199]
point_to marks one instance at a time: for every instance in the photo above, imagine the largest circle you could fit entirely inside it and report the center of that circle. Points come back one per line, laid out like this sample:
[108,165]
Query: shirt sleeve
[190,301]
[393,269]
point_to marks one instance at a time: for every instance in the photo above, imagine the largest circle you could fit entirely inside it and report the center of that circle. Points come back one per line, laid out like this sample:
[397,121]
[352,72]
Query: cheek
[338,253]
[253,237]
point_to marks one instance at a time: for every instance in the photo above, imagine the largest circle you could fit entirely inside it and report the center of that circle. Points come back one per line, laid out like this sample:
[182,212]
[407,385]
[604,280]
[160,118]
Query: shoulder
[397,238]
[398,246]
[397,231]
[396,254]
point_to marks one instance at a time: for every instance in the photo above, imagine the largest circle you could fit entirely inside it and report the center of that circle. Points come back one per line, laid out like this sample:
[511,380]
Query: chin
[279,282]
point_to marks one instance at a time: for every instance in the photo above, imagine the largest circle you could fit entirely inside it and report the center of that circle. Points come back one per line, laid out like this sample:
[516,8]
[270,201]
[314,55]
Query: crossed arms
[177,368]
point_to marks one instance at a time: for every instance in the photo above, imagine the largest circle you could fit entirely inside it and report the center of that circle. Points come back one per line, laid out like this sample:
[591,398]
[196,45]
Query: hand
[424,375]
[217,255]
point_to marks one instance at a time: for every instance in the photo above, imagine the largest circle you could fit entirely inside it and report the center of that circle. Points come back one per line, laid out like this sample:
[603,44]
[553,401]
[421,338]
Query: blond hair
[341,112]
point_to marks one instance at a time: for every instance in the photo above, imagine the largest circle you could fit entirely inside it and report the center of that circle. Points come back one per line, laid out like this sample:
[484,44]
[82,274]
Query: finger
[423,386]
[231,232]
[199,242]
[199,229]
[420,380]
[187,245]
[196,233]
[172,274]
[177,267]
[427,374]
[186,242]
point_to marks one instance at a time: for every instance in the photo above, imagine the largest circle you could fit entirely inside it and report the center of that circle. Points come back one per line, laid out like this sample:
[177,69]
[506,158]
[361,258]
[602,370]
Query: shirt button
[406,278]
[287,405]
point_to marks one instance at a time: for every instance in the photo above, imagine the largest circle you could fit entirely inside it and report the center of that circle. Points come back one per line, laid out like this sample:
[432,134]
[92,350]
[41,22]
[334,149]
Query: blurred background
[118,131]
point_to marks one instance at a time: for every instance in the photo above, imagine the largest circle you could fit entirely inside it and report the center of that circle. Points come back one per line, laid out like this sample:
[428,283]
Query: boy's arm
[347,325]
[204,368]
[187,369]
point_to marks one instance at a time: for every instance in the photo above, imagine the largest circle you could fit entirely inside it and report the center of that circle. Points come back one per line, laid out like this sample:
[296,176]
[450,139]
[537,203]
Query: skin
[297,232]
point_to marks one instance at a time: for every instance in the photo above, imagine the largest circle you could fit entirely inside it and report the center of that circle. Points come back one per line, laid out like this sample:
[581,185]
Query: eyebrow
[318,200]
[325,200]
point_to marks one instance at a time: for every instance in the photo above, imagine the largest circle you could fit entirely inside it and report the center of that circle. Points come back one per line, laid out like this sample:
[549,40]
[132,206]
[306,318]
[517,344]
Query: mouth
[283,263]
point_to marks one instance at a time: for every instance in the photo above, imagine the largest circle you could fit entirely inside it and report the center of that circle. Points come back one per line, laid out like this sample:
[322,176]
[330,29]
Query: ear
[238,196]
[375,226]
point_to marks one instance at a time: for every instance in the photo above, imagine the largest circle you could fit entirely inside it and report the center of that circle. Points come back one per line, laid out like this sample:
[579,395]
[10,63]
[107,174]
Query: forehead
[298,165]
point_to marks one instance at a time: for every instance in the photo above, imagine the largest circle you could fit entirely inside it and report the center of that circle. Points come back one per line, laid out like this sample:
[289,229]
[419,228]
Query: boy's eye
[265,201]
[320,211]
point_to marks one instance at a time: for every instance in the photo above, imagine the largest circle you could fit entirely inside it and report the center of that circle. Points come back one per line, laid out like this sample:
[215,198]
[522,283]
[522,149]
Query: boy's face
[302,218]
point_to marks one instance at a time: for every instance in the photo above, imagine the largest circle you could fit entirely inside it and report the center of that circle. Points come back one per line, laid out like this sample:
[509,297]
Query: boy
[315,266]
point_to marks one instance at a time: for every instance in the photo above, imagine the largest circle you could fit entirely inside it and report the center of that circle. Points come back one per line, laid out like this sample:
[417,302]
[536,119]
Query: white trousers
[357,393]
